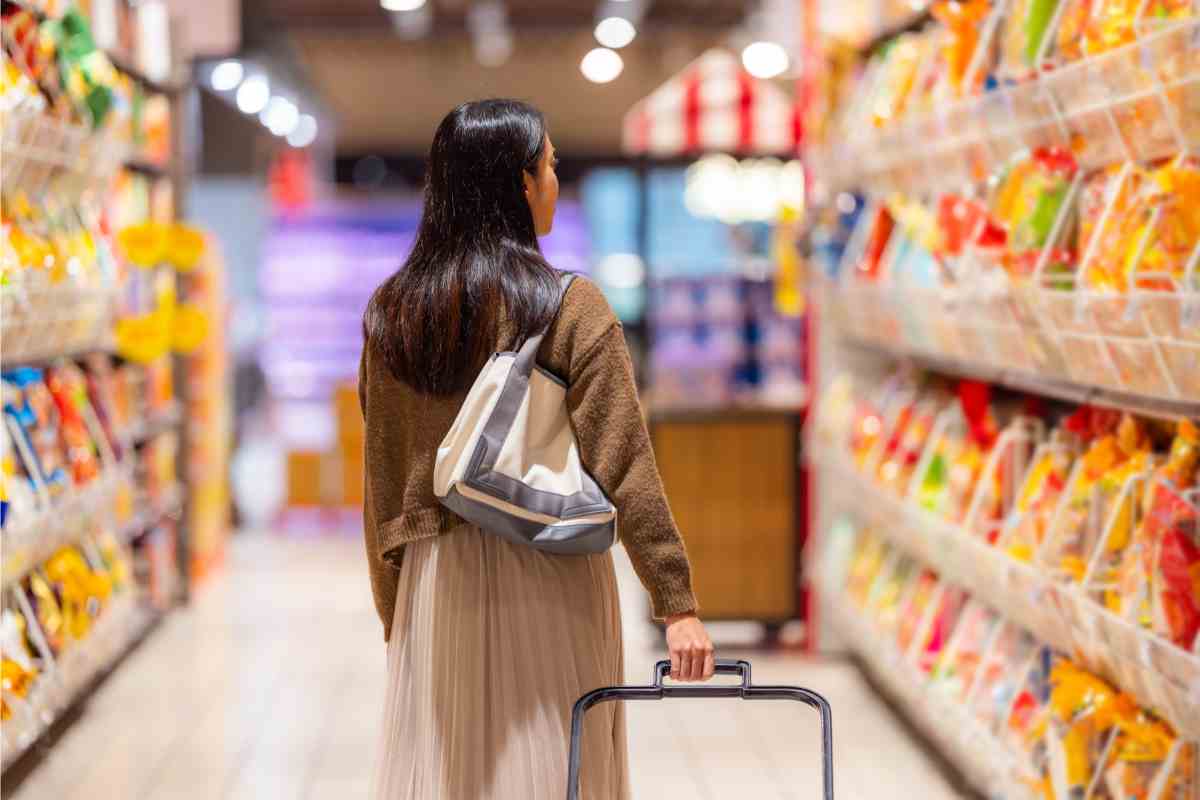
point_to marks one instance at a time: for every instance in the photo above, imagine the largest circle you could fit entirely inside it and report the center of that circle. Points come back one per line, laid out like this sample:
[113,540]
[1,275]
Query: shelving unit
[1045,328]
[1156,671]
[67,185]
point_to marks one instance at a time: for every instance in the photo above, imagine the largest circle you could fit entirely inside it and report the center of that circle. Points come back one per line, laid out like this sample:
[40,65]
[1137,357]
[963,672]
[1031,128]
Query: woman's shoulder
[585,307]
[583,319]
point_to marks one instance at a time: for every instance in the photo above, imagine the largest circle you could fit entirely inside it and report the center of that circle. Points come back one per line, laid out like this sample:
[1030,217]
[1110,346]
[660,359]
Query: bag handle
[527,354]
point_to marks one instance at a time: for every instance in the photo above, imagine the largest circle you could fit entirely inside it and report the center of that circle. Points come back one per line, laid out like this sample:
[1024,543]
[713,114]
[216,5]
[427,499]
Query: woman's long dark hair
[475,261]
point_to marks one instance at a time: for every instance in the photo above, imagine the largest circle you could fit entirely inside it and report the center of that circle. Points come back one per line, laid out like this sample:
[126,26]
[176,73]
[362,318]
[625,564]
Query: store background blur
[939,226]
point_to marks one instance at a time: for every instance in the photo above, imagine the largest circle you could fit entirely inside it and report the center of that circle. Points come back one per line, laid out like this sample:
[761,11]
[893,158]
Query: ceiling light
[615,32]
[226,75]
[253,94]
[280,116]
[765,59]
[601,65]
[305,132]
[401,5]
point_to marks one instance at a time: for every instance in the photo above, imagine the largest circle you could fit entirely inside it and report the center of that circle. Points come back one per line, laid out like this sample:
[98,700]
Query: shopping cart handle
[723,666]
[660,690]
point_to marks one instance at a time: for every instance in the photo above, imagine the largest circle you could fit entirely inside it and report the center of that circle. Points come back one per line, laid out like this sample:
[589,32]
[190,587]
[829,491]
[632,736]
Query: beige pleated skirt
[491,645]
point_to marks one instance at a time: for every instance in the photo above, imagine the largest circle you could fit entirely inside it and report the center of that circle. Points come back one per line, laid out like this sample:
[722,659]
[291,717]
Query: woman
[490,643]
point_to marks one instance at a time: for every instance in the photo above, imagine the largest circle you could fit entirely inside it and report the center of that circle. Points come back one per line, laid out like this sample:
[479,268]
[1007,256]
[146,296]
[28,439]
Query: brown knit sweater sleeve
[384,574]
[615,448]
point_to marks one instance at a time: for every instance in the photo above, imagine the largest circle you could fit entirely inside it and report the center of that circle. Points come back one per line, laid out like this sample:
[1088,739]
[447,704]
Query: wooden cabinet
[732,481]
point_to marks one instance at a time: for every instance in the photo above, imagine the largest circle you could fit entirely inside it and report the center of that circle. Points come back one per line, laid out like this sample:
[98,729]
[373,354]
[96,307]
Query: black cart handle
[723,666]
[659,689]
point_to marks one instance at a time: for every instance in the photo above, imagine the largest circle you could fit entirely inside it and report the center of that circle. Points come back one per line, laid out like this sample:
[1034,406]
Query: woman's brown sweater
[586,346]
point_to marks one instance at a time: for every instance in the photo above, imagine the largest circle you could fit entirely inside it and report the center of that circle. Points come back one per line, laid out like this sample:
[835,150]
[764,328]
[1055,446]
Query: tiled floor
[268,687]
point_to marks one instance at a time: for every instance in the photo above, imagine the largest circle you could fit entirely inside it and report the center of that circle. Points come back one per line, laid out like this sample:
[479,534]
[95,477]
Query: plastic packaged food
[1153,584]
[1141,747]
[1096,489]
[865,564]
[1001,675]
[68,387]
[1084,711]
[82,591]
[1025,31]
[47,610]
[18,493]
[1112,226]
[1039,496]
[956,666]
[964,20]
[1167,219]
[18,669]
[29,404]
[878,235]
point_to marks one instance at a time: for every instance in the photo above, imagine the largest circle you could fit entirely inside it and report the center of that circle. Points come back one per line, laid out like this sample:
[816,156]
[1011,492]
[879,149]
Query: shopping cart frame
[659,690]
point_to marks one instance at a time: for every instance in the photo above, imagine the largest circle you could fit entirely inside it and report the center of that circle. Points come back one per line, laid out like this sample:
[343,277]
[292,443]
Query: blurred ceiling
[387,93]
[268,15]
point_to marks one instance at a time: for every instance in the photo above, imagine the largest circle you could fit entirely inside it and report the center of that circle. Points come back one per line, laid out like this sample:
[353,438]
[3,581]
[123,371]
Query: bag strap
[527,355]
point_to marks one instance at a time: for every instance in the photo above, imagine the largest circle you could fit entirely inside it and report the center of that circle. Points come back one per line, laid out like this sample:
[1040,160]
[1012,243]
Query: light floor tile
[269,686]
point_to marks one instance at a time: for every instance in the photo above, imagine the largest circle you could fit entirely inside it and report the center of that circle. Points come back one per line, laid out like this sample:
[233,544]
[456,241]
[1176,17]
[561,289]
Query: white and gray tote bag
[510,462]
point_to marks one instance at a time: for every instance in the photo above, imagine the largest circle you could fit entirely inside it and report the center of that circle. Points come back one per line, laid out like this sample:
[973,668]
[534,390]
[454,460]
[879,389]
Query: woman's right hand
[690,648]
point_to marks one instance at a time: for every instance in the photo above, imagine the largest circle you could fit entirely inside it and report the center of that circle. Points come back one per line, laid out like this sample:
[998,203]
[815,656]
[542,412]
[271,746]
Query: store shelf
[29,542]
[157,423]
[1044,386]
[1131,102]
[1159,674]
[147,168]
[43,152]
[1139,350]
[119,628]
[169,505]
[984,761]
[126,65]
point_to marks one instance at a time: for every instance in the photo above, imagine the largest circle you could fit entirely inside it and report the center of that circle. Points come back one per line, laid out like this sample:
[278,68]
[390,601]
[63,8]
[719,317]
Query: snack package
[1041,490]
[931,640]
[870,555]
[878,234]
[28,402]
[1154,582]
[1028,714]
[47,610]
[925,590]
[956,667]
[18,669]
[81,590]
[68,387]
[964,21]
[1001,675]
[18,493]
[102,392]
[890,593]
[1083,715]
[1107,464]
[1025,30]
[903,448]
[1029,198]
[1173,191]
[1137,756]
[1109,244]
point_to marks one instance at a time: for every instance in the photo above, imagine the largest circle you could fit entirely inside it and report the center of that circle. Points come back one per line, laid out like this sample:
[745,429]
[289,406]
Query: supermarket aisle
[267,687]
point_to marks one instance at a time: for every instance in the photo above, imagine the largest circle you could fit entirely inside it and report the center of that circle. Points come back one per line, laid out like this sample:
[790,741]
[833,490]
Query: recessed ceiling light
[226,75]
[305,132]
[765,59]
[253,94]
[601,65]
[615,32]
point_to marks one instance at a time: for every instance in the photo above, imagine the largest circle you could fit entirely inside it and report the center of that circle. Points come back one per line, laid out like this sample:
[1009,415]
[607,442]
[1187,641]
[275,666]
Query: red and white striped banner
[713,106]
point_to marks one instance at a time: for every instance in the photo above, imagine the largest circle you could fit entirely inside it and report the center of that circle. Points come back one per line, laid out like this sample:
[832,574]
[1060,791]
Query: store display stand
[43,327]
